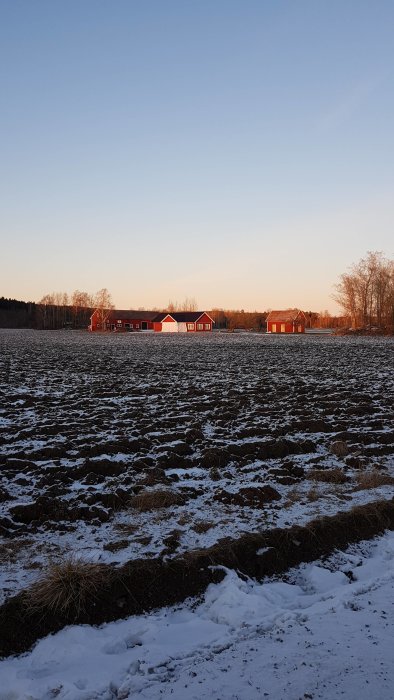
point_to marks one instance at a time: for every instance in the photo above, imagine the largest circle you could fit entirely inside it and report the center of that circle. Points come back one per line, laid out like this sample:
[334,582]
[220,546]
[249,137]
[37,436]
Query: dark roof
[159,317]
[287,316]
[184,316]
[131,315]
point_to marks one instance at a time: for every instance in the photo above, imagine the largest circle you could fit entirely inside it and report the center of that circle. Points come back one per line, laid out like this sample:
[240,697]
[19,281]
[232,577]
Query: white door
[169,327]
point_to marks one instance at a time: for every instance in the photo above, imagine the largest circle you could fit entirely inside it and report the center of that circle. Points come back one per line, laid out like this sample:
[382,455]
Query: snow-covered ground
[88,422]
[324,631]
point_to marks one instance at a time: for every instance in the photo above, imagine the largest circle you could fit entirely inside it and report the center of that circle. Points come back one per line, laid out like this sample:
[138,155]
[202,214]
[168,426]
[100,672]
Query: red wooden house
[174,322]
[183,322]
[129,320]
[289,321]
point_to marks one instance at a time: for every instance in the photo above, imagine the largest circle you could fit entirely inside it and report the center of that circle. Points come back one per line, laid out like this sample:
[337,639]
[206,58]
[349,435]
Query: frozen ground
[325,631]
[237,431]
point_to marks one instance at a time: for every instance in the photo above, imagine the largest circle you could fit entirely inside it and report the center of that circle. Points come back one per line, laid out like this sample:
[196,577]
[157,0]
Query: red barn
[183,322]
[174,322]
[289,321]
[129,320]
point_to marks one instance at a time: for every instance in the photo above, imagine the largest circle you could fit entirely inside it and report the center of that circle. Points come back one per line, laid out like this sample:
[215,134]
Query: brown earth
[142,585]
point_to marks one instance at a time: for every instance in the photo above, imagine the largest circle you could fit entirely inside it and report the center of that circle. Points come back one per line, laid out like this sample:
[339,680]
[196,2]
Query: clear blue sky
[237,151]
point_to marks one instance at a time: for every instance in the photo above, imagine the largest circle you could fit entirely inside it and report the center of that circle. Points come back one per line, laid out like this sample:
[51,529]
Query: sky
[240,152]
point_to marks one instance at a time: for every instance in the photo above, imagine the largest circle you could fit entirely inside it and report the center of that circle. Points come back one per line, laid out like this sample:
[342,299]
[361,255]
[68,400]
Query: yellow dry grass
[159,498]
[372,480]
[328,476]
[66,587]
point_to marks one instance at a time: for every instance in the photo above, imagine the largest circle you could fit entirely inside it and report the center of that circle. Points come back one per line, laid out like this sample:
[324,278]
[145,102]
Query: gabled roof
[287,316]
[185,316]
[130,314]
[159,317]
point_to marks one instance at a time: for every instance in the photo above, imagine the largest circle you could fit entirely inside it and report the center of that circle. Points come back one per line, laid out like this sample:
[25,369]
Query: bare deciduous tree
[103,304]
[189,304]
[366,292]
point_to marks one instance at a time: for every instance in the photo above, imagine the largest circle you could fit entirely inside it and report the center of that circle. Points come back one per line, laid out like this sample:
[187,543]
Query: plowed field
[114,447]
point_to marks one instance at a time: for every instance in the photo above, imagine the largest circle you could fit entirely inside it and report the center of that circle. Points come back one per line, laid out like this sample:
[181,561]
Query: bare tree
[103,304]
[366,292]
[189,304]
[45,306]
[59,310]
[82,304]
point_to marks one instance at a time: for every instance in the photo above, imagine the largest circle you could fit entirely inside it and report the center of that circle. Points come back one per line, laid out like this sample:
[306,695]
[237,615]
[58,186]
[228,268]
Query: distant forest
[43,316]
[17,314]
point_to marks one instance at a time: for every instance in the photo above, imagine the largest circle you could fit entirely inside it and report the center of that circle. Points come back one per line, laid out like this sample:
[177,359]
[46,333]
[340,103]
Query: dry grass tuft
[293,496]
[339,448]
[328,476]
[67,587]
[371,480]
[116,545]
[126,528]
[153,500]
[202,526]
[313,495]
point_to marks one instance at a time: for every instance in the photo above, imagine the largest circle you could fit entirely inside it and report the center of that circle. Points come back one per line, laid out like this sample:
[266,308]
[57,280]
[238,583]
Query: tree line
[60,310]
[17,314]
[54,311]
[366,293]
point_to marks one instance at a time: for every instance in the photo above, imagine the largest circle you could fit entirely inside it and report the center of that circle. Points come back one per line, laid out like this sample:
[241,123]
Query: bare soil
[118,447]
